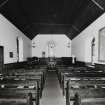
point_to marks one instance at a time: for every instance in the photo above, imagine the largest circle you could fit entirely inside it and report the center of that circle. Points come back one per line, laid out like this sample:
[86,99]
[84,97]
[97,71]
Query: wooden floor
[52,94]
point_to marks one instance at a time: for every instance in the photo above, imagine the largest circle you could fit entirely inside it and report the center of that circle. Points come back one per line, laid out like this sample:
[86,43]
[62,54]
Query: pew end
[16,99]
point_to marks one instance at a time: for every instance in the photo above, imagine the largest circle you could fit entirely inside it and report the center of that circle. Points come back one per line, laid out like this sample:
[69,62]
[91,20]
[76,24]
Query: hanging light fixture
[33,44]
[68,44]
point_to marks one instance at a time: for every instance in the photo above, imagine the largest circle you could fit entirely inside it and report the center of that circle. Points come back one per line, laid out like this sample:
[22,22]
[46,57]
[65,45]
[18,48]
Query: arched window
[51,48]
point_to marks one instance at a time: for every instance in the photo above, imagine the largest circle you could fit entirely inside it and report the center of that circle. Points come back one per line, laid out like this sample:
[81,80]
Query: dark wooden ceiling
[68,17]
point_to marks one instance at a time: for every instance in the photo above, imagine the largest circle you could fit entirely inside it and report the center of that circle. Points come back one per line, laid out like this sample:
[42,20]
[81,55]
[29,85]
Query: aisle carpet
[52,94]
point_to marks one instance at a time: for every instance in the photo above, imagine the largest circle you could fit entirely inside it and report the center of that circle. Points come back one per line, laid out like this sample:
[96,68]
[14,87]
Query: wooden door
[1,58]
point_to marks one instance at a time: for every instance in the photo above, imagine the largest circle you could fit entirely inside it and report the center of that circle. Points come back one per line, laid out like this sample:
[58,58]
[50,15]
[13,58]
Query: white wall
[8,35]
[81,45]
[61,49]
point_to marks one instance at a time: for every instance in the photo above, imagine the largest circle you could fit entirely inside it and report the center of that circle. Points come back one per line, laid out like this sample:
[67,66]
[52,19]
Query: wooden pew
[41,71]
[30,74]
[12,79]
[36,74]
[85,94]
[14,99]
[19,91]
[63,69]
[80,75]
[72,69]
[77,70]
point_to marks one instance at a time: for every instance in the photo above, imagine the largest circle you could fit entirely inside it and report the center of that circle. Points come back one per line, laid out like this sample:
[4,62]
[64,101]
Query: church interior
[52,52]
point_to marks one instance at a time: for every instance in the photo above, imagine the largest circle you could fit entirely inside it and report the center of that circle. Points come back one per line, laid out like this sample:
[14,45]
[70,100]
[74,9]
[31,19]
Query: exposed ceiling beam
[45,16]
[3,3]
[98,5]
[75,28]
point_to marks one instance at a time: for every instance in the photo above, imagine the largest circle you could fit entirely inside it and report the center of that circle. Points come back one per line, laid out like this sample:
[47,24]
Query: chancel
[52,52]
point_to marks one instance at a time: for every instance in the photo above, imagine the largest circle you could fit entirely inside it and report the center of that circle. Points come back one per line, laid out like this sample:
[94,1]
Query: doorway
[1,58]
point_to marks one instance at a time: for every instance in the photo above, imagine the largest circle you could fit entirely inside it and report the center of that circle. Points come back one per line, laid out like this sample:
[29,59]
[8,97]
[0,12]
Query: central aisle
[52,94]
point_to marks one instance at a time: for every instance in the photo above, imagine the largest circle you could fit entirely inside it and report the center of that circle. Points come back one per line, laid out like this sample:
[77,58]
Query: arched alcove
[19,49]
[93,51]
